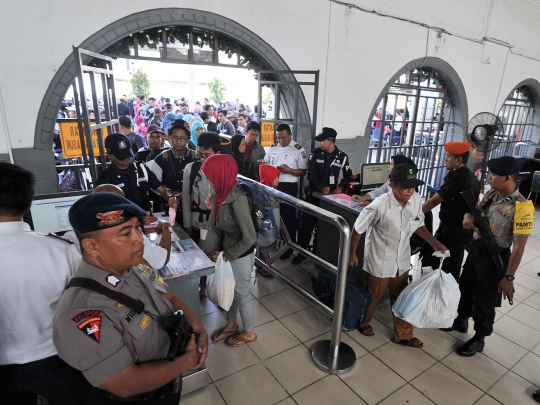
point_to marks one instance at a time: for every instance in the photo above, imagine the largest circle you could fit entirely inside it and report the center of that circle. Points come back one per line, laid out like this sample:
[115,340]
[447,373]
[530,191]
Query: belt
[162,392]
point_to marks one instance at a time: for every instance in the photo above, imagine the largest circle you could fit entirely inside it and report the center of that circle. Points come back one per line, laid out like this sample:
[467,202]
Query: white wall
[356,51]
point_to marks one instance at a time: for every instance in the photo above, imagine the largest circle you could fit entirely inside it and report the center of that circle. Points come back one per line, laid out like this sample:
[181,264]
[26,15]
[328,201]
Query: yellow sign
[267,133]
[71,142]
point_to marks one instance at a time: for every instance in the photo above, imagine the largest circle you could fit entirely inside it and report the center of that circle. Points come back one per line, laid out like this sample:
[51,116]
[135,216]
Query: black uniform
[451,232]
[146,155]
[135,181]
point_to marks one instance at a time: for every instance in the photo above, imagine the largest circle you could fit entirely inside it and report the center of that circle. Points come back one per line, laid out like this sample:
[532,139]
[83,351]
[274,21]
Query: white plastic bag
[429,302]
[220,285]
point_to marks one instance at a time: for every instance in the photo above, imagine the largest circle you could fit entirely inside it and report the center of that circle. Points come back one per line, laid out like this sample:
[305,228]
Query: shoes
[460,324]
[287,254]
[298,259]
[536,395]
[469,348]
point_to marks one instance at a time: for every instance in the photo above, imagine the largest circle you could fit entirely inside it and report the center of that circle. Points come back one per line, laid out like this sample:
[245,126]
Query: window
[415,118]
[516,115]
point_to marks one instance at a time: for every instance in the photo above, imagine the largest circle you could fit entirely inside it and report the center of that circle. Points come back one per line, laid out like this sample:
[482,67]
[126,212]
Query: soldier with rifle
[504,218]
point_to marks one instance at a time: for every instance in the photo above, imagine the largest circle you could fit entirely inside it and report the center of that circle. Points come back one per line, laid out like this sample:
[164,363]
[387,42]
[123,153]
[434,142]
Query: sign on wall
[71,142]
[267,133]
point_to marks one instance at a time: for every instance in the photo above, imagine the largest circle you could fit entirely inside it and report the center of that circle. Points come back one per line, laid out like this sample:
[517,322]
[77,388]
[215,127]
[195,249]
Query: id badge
[332,180]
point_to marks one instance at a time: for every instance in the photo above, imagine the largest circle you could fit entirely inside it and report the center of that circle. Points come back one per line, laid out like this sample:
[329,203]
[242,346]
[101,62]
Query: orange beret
[457,148]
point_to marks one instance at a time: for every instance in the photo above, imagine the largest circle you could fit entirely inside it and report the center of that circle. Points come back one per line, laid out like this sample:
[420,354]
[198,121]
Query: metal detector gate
[102,96]
[283,83]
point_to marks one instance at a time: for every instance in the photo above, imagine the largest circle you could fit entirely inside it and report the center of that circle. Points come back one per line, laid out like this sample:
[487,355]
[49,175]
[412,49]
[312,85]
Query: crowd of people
[190,163]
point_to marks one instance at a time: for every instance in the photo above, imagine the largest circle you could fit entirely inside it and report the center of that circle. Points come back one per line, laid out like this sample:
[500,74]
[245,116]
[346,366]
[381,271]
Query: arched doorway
[110,35]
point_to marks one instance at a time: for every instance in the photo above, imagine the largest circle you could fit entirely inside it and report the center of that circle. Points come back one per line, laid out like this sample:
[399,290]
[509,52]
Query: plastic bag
[220,285]
[429,302]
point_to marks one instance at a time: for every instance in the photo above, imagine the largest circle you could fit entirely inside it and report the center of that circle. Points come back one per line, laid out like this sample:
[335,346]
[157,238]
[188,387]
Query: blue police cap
[326,133]
[102,210]
[119,146]
[504,166]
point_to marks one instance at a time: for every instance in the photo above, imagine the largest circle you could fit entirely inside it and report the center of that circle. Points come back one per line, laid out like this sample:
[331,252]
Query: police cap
[119,146]
[326,133]
[504,166]
[102,210]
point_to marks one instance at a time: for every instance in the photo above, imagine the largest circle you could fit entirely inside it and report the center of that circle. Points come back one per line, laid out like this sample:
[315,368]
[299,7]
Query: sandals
[238,340]
[366,330]
[221,334]
[414,342]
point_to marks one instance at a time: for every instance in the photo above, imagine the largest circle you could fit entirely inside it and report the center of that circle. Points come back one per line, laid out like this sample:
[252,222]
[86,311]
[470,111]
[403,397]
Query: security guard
[133,178]
[511,217]
[324,165]
[119,343]
[451,232]
[291,160]
[169,165]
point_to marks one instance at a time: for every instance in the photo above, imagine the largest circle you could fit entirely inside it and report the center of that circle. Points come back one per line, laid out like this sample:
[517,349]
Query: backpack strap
[195,168]
[93,285]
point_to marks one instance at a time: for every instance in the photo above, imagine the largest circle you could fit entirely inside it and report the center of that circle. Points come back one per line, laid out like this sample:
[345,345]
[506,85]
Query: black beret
[326,133]
[504,166]
[102,210]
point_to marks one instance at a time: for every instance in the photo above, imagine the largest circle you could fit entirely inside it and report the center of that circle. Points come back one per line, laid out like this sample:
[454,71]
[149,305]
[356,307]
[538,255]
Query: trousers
[308,224]
[288,212]
[479,285]
[242,269]
[376,287]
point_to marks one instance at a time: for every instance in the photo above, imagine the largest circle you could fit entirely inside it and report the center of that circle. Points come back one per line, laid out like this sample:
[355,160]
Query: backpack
[264,212]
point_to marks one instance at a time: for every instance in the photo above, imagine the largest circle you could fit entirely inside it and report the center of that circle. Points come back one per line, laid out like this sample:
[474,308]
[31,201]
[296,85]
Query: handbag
[211,236]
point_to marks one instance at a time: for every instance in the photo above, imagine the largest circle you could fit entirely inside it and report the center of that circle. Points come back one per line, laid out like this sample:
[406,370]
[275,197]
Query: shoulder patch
[297,146]
[275,144]
[60,237]
[523,217]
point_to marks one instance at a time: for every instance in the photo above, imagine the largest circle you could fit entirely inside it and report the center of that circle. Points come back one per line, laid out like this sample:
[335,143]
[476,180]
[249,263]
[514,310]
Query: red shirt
[247,152]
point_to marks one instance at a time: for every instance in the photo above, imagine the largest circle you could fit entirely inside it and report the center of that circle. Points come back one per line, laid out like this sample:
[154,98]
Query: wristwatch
[509,277]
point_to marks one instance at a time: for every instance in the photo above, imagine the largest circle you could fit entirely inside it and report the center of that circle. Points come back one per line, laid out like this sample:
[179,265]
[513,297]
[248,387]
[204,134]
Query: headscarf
[166,124]
[268,174]
[187,117]
[240,158]
[195,118]
[197,109]
[221,170]
[194,137]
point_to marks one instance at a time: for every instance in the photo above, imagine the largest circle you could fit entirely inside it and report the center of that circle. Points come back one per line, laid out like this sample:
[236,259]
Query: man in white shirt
[34,272]
[290,159]
[390,221]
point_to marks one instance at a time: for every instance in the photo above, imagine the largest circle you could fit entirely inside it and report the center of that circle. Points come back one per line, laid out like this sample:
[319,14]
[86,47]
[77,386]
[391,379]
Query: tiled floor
[277,368]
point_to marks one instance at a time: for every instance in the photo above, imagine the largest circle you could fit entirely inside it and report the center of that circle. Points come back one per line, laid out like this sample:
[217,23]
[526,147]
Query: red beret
[457,148]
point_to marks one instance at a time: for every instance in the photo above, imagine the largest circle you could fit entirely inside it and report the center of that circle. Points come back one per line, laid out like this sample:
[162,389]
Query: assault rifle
[483,228]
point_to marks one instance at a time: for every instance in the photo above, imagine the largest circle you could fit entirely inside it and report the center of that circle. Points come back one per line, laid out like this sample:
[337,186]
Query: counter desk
[187,263]
[328,235]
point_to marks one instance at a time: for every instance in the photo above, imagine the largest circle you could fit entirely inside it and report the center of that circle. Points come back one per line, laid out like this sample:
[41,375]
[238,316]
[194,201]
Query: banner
[71,142]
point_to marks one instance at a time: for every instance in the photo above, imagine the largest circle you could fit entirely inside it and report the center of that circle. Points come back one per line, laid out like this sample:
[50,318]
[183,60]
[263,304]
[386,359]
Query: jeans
[242,269]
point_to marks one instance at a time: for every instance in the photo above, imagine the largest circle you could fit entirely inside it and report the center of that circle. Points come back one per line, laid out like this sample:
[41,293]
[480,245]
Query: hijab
[187,117]
[240,158]
[166,124]
[194,137]
[268,174]
[195,118]
[221,170]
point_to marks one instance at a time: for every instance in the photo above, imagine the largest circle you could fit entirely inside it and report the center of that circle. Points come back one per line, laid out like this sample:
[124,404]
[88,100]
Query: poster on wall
[71,142]
[267,133]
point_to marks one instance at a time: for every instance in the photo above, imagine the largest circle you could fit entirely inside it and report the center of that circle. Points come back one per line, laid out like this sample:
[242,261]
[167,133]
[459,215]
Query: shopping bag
[211,236]
[429,302]
[220,285]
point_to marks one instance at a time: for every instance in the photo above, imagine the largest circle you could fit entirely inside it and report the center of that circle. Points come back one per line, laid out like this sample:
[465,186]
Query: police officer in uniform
[451,232]
[510,217]
[291,160]
[324,165]
[34,271]
[133,178]
[121,350]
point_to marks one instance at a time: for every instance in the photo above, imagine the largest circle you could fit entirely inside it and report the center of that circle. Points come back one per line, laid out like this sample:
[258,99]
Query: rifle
[483,228]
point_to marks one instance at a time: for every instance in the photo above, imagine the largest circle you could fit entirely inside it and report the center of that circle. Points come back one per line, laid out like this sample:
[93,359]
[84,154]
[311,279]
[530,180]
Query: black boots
[469,348]
[536,395]
[287,254]
[460,324]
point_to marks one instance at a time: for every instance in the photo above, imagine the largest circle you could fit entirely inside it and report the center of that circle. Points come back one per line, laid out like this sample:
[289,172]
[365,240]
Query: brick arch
[108,35]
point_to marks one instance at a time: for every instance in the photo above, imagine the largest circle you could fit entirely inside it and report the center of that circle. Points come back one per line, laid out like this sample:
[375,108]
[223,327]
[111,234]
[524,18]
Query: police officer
[119,343]
[154,136]
[34,271]
[510,217]
[290,159]
[169,166]
[451,232]
[324,165]
[133,178]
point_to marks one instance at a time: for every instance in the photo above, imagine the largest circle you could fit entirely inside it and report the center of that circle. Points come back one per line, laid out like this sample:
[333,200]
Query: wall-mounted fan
[485,132]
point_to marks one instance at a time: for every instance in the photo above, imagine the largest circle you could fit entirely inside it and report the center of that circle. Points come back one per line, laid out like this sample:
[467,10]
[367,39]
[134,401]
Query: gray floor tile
[382,335]
[306,324]
[503,351]
[204,396]
[272,338]
[223,360]
[406,361]
[512,390]
[526,314]
[407,395]
[517,332]
[529,368]
[329,390]
[283,303]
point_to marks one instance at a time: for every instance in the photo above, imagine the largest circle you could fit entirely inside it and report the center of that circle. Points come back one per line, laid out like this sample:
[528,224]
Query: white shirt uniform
[389,227]
[155,255]
[292,155]
[34,271]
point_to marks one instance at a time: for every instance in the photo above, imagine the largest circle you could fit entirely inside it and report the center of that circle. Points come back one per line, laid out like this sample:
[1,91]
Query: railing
[332,356]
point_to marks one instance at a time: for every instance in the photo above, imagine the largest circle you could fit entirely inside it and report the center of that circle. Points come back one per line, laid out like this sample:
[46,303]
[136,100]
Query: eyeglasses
[175,139]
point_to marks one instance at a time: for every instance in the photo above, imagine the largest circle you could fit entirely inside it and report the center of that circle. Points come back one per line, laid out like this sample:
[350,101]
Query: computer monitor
[373,175]
[49,212]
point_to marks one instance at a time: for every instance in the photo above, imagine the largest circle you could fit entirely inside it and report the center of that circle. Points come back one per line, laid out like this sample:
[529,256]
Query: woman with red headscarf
[233,216]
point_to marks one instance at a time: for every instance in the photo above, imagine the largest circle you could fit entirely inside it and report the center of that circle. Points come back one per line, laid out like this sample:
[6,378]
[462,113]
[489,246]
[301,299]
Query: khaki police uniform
[100,336]
[508,217]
